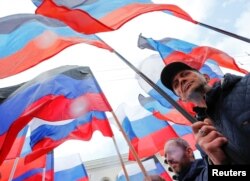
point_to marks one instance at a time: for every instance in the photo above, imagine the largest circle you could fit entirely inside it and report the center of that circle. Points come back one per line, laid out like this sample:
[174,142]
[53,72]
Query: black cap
[170,71]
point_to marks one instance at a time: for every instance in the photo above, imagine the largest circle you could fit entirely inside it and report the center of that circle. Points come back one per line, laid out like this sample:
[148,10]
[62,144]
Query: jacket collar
[192,171]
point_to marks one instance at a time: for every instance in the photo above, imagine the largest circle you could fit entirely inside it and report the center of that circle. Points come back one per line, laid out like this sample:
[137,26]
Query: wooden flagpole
[13,169]
[121,160]
[131,148]
[44,173]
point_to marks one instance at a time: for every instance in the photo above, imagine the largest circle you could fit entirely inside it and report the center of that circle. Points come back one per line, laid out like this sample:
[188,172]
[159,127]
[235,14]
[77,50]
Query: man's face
[186,82]
[177,157]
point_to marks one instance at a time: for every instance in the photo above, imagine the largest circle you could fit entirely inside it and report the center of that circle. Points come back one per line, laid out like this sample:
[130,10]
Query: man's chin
[195,96]
[175,168]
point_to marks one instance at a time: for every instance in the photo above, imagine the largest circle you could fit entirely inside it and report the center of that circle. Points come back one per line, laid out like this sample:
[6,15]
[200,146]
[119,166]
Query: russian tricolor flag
[182,130]
[101,15]
[63,93]
[28,39]
[45,136]
[172,50]
[147,134]
[70,168]
[151,165]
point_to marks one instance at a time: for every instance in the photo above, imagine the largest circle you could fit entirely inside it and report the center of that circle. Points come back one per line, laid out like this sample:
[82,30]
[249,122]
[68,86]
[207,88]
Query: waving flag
[28,39]
[152,166]
[159,111]
[45,136]
[63,93]
[161,170]
[147,134]
[152,67]
[31,171]
[27,172]
[93,16]
[19,141]
[172,50]
[70,168]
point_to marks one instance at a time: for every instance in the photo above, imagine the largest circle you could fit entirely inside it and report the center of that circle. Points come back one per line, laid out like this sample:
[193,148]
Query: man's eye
[186,73]
[175,84]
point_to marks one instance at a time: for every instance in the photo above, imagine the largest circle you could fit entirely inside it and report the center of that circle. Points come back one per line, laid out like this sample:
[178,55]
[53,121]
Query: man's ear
[206,77]
[190,152]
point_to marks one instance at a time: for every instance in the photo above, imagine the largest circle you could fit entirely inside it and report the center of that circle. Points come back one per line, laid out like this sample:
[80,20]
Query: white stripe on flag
[67,162]
[36,122]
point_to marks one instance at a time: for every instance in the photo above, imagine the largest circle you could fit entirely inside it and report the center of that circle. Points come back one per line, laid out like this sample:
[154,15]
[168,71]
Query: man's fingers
[197,126]
[208,121]
[216,143]
[210,137]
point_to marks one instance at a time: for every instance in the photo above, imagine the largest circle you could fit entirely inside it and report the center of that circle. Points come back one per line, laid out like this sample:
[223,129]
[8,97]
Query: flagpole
[225,32]
[121,160]
[131,147]
[13,170]
[44,173]
[155,86]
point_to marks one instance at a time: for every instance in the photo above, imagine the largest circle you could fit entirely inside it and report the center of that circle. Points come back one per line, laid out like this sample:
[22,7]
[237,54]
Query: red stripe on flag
[27,56]
[83,179]
[16,148]
[118,17]
[83,132]
[76,19]
[166,177]
[84,104]
[153,143]
[191,140]
[199,55]
[38,176]
[44,108]
[174,116]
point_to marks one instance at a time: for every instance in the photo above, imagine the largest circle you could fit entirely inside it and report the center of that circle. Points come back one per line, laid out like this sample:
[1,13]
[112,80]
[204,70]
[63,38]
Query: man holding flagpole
[224,107]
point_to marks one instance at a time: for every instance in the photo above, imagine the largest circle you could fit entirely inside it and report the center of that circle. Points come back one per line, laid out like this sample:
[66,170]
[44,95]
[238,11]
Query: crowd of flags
[67,102]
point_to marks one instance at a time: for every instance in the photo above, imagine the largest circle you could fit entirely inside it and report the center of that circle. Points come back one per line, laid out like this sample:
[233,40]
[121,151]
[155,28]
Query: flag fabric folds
[16,149]
[25,36]
[6,91]
[161,112]
[182,130]
[147,134]
[172,50]
[70,168]
[152,166]
[88,16]
[27,172]
[63,93]
[19,141]
[45,136]
[30,171]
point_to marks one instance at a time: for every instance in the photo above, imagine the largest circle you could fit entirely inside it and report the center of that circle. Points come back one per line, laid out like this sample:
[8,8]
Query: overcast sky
[116,79]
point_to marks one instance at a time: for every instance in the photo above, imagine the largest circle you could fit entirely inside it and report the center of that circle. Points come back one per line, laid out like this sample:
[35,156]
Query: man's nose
[183,80]
[169,159]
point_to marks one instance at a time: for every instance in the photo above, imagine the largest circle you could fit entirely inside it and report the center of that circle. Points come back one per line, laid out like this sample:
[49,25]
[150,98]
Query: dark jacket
[196,172]
[229,106]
